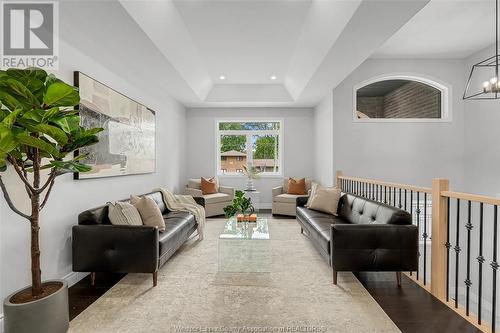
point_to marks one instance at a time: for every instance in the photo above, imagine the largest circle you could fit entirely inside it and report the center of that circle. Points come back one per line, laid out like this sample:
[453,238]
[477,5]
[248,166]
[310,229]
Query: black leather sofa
[99,246]
[365,236]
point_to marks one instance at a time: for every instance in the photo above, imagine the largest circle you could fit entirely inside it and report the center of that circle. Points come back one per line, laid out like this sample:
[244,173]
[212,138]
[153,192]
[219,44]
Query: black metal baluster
[494,266]
[457,252]
[385,194]
[399,205]
[480,260]
[417,212]
[373,192]
[411,205]
[424,235]
[406,197]
[448,246]
[394,197]
[467,281]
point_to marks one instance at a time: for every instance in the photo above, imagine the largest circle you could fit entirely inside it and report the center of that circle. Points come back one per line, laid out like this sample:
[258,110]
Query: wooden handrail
[395,185]
[472,197]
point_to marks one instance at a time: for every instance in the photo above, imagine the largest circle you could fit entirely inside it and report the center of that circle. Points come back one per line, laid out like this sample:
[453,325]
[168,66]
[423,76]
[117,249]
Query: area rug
[192,296]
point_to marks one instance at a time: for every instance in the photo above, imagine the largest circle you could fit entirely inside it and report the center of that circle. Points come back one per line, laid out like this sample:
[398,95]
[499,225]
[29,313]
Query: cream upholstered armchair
[214,203]
[284,203]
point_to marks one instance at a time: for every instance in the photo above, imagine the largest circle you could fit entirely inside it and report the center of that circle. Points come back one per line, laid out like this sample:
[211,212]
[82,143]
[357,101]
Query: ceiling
[444,29]
[246,41]
[310,46]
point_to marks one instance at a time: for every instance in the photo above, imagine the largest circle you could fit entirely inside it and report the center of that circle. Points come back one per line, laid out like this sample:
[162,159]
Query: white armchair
[214,203]
[284,203]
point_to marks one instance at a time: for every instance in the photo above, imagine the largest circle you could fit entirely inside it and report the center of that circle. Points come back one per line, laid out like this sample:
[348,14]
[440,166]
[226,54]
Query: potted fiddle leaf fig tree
[39,131]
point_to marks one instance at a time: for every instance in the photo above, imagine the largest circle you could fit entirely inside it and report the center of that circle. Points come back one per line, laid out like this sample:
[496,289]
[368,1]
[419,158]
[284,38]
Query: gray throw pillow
[149,211]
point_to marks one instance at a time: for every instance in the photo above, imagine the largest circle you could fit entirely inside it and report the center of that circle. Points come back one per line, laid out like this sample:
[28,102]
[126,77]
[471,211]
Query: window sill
[223,175]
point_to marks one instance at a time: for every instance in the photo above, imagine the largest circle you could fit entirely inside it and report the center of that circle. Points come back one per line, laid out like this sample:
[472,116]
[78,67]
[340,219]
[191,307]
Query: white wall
[70,197]
[482,138]
[298,151]
[323,141]
[411,153]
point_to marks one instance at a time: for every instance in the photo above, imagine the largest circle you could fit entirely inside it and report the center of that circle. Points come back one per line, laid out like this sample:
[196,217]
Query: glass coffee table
[244,247]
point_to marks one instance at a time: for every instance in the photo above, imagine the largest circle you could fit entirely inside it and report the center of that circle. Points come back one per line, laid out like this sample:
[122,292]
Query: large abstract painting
[127,144]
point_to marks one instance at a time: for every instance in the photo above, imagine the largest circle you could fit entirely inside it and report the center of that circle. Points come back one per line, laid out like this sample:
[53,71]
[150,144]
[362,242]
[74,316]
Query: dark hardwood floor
[82,294]
[412,308]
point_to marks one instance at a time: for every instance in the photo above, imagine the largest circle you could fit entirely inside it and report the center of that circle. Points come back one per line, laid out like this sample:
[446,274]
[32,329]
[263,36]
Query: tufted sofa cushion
[358,210]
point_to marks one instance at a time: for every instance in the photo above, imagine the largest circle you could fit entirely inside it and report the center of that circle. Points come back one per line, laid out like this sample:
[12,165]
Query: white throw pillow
[314,187]
[123,213]
[326,199]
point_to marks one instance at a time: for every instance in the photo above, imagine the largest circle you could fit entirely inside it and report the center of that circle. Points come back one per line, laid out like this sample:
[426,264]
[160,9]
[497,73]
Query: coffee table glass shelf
[244,247]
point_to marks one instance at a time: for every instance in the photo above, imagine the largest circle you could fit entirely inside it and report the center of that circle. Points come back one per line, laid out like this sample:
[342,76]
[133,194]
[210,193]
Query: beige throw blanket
[184,203]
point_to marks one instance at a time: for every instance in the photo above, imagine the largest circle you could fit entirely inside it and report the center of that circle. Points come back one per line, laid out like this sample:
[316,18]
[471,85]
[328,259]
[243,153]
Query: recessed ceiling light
[273,77]
[222,77]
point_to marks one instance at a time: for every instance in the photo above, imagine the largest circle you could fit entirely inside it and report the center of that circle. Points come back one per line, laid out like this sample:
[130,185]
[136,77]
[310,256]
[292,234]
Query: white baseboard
[73,277]
[263,205]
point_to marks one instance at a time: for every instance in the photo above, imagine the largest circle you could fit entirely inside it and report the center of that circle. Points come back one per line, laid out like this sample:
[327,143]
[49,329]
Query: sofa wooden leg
[155,279]
[398,278]
[92,278]
[334,277]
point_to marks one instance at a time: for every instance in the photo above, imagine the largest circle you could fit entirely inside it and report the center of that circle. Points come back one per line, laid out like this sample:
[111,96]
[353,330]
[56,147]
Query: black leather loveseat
[365,236]
[99,246]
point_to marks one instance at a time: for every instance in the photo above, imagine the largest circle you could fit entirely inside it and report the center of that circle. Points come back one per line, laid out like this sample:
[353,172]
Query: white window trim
[218,134]
[446,100]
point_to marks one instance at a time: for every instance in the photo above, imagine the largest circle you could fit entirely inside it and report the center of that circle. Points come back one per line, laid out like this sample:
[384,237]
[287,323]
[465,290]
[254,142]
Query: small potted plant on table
[39,131]
[240,205]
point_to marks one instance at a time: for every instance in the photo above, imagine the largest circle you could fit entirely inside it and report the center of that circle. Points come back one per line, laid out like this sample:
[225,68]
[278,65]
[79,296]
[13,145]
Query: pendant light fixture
[483,80]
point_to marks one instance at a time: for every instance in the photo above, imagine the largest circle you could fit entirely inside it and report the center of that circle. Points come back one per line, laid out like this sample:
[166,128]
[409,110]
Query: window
[400,98]
[255,143]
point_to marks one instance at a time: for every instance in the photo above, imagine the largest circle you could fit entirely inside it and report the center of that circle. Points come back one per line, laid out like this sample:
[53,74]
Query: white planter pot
[46,315]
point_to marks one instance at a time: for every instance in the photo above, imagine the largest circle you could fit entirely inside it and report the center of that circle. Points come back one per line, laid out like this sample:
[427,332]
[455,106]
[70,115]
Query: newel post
[439,232]
[338,174]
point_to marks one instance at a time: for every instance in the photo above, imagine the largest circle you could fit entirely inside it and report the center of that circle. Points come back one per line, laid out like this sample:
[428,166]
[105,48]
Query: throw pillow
[297,187]
[314,187]
[149,211]
[208,186]
[326,199]
[123,213]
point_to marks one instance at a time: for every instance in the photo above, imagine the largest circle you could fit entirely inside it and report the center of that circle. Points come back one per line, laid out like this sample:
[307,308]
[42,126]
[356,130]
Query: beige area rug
[192,296]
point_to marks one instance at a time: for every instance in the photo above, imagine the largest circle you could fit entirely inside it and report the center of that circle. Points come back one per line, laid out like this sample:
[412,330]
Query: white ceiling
[444,29]
[246,41]
[310,45]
